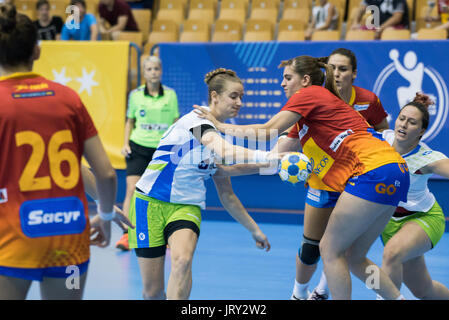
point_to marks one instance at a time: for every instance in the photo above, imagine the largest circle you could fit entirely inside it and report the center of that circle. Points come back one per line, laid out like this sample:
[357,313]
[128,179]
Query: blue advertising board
[394,70]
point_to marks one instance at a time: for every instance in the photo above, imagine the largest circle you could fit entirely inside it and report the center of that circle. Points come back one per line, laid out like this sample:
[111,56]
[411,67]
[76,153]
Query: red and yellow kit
[368,105]
[43,208]
[335,137]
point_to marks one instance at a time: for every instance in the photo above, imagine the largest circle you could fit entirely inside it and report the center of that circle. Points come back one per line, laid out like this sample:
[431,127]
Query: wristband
[106,216]
[260,156]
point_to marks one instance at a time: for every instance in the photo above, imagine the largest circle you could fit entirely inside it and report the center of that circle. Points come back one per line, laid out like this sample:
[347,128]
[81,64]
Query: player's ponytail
[306,65]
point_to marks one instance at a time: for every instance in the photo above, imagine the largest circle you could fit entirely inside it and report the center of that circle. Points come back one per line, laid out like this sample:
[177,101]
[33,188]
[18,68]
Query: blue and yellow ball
[295,167]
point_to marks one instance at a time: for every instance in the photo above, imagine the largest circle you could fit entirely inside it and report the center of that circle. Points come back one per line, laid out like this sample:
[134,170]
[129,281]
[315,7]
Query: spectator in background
[141,4]
[324,17]
[392,14]
[87,30]
[118,14]
[48,27]
[443,13]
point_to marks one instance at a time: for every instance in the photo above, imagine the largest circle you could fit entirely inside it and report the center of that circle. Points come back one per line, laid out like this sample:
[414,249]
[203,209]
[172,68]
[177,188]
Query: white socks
[300,290]
[401,297]
[322,286]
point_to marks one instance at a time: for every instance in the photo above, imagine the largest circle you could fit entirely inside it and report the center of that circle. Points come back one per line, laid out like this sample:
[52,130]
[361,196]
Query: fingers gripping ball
[295,167]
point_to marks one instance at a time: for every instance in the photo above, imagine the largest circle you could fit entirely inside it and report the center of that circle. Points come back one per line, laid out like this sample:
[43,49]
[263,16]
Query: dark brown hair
[41,3]
[216,80]
[347,53]
[306,65]
[422,103]
[18,37]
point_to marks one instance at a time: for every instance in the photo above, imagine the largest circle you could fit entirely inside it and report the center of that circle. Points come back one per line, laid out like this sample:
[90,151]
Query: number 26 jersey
[43,208]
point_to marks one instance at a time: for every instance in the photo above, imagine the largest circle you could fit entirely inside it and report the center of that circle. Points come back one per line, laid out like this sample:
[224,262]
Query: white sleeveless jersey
[419,197]
[180,165]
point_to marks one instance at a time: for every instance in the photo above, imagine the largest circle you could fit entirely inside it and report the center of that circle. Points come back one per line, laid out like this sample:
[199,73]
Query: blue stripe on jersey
[376,134]
[143,240]
[167,147]
[412,152]
[161,188]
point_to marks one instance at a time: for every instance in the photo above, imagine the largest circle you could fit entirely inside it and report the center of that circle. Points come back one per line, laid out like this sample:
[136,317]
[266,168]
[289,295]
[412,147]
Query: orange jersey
[368,105]
[43,208]
[336,138]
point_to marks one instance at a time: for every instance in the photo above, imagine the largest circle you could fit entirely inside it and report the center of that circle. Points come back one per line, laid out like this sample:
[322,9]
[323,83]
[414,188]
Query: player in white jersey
[417,225]
[166,205]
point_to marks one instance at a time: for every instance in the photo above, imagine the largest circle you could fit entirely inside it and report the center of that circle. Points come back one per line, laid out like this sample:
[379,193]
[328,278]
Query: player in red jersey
[321,199]
[44,131]
[369,173]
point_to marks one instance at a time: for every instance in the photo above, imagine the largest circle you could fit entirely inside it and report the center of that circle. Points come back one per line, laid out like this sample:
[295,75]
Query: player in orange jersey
[44,131]
[320,199]
[347,157]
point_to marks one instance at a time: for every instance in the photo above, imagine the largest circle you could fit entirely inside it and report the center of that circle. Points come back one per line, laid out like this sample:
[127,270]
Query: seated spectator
[118,15]
[48,27]
[7,2]
[140,4]
[324,17]
[392,14]
[87,29]
[443,13]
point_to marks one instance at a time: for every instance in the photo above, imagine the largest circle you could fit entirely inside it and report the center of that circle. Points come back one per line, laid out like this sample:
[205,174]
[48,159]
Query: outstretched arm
[440,167]
[235,208]
[280,122]
[240,170]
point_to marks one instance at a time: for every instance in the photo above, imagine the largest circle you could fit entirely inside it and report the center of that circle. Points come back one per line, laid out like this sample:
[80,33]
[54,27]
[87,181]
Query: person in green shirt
[152,108]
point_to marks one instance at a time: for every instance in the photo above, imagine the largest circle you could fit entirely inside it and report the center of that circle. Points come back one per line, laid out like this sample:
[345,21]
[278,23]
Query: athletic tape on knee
[309,252]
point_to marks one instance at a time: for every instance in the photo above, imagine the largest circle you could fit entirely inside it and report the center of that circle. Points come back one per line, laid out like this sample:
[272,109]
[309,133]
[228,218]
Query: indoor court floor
[228,266]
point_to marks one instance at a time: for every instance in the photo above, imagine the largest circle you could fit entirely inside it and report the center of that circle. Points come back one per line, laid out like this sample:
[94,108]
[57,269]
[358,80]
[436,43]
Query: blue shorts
[387,184]
[38,274]
[321,198]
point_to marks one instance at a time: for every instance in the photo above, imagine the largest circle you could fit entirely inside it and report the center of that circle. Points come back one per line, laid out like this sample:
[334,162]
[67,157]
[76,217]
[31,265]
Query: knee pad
[309,252]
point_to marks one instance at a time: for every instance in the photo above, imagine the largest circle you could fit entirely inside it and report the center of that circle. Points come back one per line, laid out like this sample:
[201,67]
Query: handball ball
[295,167]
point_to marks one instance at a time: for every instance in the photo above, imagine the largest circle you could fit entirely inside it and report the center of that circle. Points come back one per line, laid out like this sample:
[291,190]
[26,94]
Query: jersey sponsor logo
[142,113]
[382,188]
[303,131]
[361,107]
[52,217]
[205,165]
[3,195]
[39,86]
[154,126]
[320,165]
[38,94]
[339,139]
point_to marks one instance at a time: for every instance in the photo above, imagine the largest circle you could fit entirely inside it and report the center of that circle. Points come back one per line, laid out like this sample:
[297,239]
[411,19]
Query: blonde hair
[216,80]
[154,59]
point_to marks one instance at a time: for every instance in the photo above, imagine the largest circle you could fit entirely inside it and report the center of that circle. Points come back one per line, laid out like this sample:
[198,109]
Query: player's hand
[205,114]
[121,220]
[261,240]
[100,232]
[126,150]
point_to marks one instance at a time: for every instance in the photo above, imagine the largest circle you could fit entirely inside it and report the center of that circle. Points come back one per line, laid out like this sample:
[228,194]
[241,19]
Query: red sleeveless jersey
[368,105]
[335,137]
[43,208]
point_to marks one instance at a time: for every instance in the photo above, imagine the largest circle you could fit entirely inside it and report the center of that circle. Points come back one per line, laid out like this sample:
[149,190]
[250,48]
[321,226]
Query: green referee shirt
[153,114]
